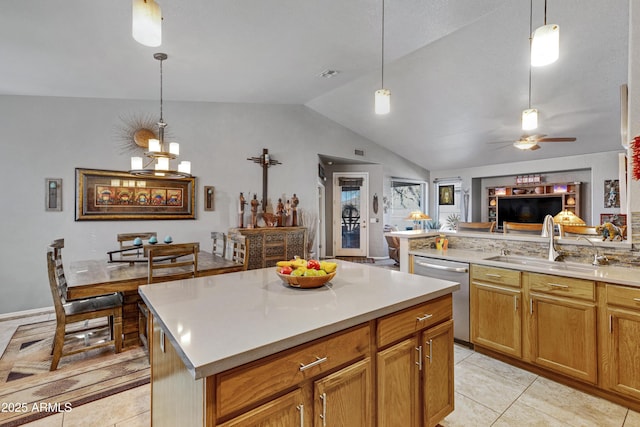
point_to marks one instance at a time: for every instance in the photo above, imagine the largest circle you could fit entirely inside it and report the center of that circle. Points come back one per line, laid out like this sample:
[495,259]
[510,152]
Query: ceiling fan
[530,142]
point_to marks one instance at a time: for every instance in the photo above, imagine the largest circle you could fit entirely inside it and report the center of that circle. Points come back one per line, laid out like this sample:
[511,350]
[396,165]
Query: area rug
[29,391]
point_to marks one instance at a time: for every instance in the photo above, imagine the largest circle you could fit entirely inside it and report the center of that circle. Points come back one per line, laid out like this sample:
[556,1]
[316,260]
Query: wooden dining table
[89,278]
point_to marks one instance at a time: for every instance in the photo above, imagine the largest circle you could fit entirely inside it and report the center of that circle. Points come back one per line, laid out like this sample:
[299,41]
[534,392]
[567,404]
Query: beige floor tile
[469,413]
[522,415]
[571,406]
[460,353]
[111,410]
[141,420]
[505,370]
[485,387]
[50,421]
[632,420]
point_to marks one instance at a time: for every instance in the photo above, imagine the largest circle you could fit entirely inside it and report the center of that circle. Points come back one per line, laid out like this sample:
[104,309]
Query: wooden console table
[268,245]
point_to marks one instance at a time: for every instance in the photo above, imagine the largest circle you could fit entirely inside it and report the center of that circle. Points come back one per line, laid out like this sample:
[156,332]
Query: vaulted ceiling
[457,70]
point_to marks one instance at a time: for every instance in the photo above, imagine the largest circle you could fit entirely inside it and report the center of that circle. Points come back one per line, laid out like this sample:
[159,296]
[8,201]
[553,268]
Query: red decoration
[635,157]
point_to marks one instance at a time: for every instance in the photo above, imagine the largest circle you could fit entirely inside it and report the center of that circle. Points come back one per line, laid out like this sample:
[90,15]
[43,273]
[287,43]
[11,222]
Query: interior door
[350,214]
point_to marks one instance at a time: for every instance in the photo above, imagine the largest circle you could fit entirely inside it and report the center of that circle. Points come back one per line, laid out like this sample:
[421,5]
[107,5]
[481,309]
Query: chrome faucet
[547,231]
[597,258]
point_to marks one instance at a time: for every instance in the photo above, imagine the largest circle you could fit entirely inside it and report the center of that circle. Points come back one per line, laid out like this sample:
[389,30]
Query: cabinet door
[496,319]
[344,397]
[399,385]
[437,373]
[563,335]
[624,351]
[286,411]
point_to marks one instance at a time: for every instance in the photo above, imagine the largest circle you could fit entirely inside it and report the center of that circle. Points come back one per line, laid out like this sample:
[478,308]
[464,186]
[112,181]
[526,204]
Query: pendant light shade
[529,119]
[146,22]
[545,46]
[383,101]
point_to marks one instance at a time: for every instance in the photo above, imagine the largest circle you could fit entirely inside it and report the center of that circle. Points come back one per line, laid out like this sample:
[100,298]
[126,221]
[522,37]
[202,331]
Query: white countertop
[604,273]
[220,322]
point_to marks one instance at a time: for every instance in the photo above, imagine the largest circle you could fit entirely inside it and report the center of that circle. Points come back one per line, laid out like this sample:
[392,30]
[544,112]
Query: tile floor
[488,393]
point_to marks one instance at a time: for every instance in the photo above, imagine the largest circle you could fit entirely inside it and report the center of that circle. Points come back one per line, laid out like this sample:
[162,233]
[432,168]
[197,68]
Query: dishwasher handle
[443,267]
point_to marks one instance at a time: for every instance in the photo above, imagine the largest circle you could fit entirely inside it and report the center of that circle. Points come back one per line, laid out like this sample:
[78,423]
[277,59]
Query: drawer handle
[318,361]
[492,275]
[558,285]
[425,317]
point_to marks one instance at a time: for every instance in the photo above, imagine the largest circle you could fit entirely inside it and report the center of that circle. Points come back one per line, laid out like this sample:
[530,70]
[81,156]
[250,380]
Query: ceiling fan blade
[535,147]
[556,139]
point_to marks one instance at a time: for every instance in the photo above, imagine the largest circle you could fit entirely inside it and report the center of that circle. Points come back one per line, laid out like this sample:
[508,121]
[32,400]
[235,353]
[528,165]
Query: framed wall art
[113,195]
[53,194]
[611,193]
[615,219]
[445,195]
[209,197]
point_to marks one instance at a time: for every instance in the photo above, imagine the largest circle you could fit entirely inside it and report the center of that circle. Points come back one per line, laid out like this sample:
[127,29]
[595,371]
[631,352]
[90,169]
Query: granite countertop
[219,322]
[604,273]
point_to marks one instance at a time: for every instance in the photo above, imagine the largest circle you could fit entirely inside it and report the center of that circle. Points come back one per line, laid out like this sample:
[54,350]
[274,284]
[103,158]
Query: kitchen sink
[543,263]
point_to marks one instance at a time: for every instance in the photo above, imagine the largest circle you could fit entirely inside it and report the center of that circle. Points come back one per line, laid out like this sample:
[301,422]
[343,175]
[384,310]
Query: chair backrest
[219,243]
[477,226]
[521,228]
[57,280]
[126,241]
[577,230]
[238,250]
[171,262]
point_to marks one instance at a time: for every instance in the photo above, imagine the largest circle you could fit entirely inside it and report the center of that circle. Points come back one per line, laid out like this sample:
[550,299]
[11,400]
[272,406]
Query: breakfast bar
[232,348]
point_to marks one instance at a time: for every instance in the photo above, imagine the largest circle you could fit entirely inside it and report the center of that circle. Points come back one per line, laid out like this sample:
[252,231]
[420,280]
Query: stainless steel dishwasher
[455,272]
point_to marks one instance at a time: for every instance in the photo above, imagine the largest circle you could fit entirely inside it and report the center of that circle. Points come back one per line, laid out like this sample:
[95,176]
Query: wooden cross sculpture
[265,161]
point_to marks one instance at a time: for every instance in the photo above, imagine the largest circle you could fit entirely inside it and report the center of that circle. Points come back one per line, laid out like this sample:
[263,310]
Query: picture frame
[619,220]
[53,194]
[209,197]
[611,193]
[445,195]
[106,195]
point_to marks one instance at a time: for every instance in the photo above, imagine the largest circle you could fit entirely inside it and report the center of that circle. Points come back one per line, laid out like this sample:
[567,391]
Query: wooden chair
[577,230]
[521,228]
[126,242]
[166,263]
[84,310]
[219,243]
[238,250]
[477,226]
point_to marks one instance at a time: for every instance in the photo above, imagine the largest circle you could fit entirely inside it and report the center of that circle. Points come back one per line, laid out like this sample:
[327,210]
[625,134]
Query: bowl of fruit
[300,273]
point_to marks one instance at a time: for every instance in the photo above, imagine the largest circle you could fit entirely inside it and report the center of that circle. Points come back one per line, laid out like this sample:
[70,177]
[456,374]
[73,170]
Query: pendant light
[545,45]
[158,149]
[146,22]
[382,96]
[530,115]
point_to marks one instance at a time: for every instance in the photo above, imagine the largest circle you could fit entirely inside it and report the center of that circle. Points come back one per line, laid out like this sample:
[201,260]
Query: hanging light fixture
[545,44]
[382,96]
[157,149]
[530,115]
[146,22]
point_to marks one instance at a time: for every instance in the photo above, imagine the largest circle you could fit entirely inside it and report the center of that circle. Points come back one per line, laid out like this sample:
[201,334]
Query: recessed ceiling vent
[359,152]
[327,74]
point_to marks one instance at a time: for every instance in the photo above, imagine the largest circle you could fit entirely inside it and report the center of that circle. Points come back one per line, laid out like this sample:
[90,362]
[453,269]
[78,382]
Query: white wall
[49,137]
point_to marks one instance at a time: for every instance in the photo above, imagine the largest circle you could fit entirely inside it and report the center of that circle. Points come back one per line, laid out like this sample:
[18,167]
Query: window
[406,196]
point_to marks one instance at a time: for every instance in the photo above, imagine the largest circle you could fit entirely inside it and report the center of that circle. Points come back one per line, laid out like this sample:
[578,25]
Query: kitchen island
[235,348]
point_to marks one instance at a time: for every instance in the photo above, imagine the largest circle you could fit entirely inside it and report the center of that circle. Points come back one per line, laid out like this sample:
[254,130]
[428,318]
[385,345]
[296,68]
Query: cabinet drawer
[405,323]
[562,286]
[501,276]
[623,296]
[252,383]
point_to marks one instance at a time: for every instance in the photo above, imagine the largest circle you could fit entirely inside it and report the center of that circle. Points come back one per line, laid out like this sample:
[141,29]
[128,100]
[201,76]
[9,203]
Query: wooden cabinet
[268,245]
[288,410]
[562,325]
[415,375]
[622,347]
[496,309]
[569,191]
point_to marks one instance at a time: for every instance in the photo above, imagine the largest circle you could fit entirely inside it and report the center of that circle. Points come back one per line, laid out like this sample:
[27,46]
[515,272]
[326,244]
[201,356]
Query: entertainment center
[531,202]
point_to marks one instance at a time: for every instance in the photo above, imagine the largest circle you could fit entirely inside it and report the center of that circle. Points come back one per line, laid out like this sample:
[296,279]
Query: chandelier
[158,153]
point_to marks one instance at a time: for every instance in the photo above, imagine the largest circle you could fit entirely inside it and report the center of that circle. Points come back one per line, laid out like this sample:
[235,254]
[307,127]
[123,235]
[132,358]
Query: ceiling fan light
[383,101]
[146,20]
[529,119]
[524,145]
[545,45]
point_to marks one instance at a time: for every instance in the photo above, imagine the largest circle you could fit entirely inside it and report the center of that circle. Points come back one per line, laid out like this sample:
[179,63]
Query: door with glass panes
[350,214]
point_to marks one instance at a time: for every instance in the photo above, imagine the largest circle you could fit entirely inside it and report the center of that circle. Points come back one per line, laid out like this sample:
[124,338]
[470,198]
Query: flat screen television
[529,209]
